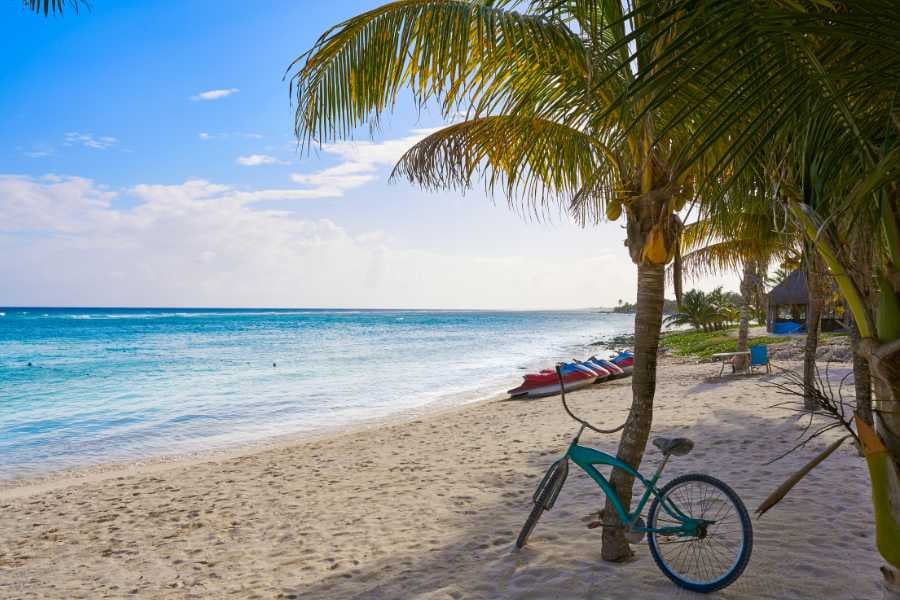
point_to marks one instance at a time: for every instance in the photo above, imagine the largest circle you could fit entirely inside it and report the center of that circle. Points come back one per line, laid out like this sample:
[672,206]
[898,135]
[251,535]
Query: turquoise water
[107,385]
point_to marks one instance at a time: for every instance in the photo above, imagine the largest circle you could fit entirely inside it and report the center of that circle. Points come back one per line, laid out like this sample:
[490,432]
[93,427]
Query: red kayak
[546,383]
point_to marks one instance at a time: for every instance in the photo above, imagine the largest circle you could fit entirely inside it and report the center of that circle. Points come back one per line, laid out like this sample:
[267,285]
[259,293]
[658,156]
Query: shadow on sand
[563,558]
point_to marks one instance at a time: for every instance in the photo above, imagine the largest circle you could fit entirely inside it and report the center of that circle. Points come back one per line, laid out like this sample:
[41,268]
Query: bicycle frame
[586,458]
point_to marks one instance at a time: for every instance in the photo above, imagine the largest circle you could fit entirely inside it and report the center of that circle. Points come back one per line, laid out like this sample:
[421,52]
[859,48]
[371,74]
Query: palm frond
[730,255]
[744,75]
[466,55]
[535,162]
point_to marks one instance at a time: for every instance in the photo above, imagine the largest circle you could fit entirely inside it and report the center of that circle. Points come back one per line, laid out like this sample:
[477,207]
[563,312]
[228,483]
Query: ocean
[81,387]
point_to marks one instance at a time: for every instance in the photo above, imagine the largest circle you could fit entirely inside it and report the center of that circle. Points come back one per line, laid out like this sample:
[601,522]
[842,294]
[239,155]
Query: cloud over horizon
[200,243]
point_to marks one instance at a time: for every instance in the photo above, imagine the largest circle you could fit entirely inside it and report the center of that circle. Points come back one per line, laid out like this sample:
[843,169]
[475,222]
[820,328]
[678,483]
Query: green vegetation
[707,311]
[703,344]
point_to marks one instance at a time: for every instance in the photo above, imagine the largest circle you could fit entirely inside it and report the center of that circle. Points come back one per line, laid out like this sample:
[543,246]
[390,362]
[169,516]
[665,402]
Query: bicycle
[698,529]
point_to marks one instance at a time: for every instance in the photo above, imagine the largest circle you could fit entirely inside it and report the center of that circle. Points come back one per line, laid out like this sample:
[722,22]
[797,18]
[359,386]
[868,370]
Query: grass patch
[703,344]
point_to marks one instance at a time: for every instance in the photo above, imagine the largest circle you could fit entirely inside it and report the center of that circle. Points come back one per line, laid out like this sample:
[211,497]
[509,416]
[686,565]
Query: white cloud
[360,164]
[255,160]
[38,151]
[205,135]
[88,140]
[200,244]
[215,94]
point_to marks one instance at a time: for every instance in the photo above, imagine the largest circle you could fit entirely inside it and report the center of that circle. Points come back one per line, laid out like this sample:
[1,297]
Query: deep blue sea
[80,387]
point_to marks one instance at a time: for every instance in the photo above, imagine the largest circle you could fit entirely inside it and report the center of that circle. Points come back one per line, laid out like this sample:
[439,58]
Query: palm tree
[696,309]
[737,240]
[804,92]
[536,89]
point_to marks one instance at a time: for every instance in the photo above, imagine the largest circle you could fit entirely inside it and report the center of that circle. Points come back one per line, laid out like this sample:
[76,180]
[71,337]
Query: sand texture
[431,508]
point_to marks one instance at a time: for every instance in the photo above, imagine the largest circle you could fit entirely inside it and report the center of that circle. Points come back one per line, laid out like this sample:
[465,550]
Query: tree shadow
[798,552]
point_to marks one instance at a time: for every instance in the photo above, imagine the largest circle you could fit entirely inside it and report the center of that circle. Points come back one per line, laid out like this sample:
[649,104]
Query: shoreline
[24,486]
[448,400]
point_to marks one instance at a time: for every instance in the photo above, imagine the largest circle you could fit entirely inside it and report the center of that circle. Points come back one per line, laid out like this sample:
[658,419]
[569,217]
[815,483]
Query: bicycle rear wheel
[718,555]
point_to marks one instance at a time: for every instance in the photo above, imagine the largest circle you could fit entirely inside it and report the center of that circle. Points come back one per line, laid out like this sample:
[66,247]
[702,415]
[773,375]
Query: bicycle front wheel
[719,553]
[544,499]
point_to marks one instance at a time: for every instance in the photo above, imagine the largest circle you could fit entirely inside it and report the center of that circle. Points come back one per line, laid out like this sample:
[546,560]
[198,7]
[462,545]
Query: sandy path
[430,509]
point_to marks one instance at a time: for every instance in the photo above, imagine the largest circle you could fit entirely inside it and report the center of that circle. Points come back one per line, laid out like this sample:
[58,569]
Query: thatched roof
[790,291]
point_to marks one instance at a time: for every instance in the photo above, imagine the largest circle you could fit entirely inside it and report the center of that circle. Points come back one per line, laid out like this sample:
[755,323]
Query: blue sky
[148,159]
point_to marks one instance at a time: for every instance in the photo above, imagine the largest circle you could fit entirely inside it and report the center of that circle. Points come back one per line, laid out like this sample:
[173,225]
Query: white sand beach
[431,508]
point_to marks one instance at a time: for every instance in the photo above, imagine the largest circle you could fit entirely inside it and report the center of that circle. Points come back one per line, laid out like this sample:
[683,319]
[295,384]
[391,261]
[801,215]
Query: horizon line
[286,308]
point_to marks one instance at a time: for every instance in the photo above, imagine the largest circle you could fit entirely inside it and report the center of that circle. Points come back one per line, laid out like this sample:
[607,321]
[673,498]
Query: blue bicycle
[698,529]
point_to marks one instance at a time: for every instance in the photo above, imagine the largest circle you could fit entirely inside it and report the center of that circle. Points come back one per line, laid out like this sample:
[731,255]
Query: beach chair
[759,357]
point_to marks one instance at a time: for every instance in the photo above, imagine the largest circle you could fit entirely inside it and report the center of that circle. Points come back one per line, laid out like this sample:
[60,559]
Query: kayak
[546,383]
[625,361]
[603,373]
[615,371]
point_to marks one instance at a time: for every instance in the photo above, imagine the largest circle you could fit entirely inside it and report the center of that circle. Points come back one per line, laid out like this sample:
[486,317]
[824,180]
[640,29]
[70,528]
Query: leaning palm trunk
[647,322]
[880,346]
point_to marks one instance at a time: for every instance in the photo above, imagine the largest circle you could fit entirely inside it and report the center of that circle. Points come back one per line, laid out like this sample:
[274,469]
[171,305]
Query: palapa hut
[787,307]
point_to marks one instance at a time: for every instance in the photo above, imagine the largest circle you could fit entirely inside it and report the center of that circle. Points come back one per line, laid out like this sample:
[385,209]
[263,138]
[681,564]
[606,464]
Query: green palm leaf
[464,54]
[530,159]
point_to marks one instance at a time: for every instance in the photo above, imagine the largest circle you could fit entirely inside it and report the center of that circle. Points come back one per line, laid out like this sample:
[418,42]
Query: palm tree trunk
[759,290]
[744,328]
[885,370]
[862,377]
[814,286]
[647,323]
[813,316]
[886,492]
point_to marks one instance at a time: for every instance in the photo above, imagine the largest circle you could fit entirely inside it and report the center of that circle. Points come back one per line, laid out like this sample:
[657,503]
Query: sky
[148,159]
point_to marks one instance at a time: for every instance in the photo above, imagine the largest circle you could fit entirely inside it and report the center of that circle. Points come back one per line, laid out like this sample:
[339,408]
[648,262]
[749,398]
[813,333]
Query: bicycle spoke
[713,553]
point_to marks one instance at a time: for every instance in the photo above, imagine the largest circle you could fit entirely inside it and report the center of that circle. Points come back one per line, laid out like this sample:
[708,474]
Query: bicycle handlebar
[562,389]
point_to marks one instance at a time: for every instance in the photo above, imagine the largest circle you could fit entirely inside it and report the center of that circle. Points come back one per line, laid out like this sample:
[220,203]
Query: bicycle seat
[674,446]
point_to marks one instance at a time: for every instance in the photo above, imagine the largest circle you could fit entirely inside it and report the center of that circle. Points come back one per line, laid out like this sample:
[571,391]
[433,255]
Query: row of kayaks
[576,374]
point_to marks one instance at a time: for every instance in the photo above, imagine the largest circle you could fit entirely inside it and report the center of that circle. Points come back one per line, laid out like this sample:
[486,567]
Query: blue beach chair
[759,357]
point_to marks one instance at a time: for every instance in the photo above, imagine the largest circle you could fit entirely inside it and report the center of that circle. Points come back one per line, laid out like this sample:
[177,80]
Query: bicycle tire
[742,557]
[540,504]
